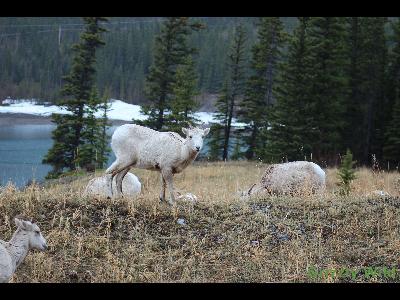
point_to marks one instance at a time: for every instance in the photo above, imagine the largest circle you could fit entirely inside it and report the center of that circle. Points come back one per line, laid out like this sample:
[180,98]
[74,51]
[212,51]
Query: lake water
[22,148]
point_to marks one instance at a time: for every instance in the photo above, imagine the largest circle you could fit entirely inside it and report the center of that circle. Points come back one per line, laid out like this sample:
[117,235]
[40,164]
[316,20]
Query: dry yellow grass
[224,239]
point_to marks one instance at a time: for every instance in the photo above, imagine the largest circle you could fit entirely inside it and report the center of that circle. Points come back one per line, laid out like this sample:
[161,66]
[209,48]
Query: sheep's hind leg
[168,176]
[163,185]
[111,180]
[114,169]
[120,178]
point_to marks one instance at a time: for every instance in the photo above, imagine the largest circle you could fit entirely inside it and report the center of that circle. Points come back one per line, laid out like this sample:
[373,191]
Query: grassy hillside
[224,239]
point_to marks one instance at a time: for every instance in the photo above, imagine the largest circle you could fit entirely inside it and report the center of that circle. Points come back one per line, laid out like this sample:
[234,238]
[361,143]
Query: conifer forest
[305,88]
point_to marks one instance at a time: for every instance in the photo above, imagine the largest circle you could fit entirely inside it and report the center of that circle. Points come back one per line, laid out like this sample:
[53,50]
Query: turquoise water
[22,148]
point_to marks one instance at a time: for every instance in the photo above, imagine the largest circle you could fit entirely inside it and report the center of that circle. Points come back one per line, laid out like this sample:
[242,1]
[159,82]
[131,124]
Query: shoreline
[8,119]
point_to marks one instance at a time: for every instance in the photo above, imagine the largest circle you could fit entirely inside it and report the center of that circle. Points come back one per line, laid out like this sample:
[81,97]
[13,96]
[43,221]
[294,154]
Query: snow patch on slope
[119,110]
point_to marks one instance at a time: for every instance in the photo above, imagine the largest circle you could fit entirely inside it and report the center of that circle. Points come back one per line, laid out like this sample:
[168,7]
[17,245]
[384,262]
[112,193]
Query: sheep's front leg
[167,174]
[163,185]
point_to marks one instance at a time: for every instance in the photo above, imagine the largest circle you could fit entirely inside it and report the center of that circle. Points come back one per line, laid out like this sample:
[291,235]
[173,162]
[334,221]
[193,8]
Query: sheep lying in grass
[293,178]
[144,148]
[100,186]
[12,253]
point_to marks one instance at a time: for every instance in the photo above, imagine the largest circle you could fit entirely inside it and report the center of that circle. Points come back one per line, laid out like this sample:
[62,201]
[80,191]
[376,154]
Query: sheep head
[32,230]
[195,137]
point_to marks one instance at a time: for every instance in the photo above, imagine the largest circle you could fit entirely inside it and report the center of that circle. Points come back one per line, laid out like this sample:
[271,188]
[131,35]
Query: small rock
[380,193]
[302,229]
[263,208]
[188,197]
[73,275]
[282,237]
[181,221]
[273,228]
[255,243]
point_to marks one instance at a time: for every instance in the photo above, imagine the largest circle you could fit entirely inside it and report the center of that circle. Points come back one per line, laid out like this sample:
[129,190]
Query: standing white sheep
[12,253]
[290,178]
[144,148]
[100,186]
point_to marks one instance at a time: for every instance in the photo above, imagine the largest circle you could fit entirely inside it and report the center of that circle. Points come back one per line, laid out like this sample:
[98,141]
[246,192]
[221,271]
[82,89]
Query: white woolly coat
[100,186]
[6,264]
[291,178]
[150,149]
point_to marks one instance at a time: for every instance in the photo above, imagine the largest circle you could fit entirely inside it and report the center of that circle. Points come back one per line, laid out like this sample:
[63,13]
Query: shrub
[346,174]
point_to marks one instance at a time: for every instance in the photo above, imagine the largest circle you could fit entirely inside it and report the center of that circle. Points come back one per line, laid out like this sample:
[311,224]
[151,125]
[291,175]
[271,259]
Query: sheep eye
[190,136]
[37,232]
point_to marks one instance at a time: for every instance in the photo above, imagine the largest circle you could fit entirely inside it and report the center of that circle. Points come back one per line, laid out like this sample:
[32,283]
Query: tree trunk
[250,151]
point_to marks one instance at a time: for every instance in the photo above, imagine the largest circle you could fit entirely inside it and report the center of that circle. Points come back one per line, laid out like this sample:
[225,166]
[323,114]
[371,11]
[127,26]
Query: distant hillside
[35,54]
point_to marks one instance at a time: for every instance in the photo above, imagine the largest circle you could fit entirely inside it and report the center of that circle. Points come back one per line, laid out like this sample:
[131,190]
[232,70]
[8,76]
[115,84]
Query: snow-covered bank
[119,110]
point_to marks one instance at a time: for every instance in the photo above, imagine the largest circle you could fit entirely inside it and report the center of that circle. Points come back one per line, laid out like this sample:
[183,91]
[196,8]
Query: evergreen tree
[367,104]
[289,136]
[346,173]
[391,149]
[373,70]
[218,130]
[103,138]
[258,96]
[215,142]
[171,50]
[78,90]
[94,150]
[237,150]
[393,68]
[328,86]
[183,103]
[354,108]
[233,88]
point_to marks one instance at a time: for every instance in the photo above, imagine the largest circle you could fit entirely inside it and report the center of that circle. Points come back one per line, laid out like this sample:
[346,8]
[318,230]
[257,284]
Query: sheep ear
[27,225]
[18,222]
[184,130]
[206,131]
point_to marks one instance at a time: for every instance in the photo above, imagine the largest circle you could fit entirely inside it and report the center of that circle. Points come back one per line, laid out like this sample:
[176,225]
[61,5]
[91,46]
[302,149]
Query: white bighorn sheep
[12,253]
[100,186]
[292,178]
[145,148]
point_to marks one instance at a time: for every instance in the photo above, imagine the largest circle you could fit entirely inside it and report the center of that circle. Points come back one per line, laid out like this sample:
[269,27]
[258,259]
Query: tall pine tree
[391,149]
[77,90]
[374,76]
[171,50]
[258,96]
[367,104]
[183,103]
[233,89]
[218,129]
[328,86]
[289,136]
[93,151]
[355,104]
